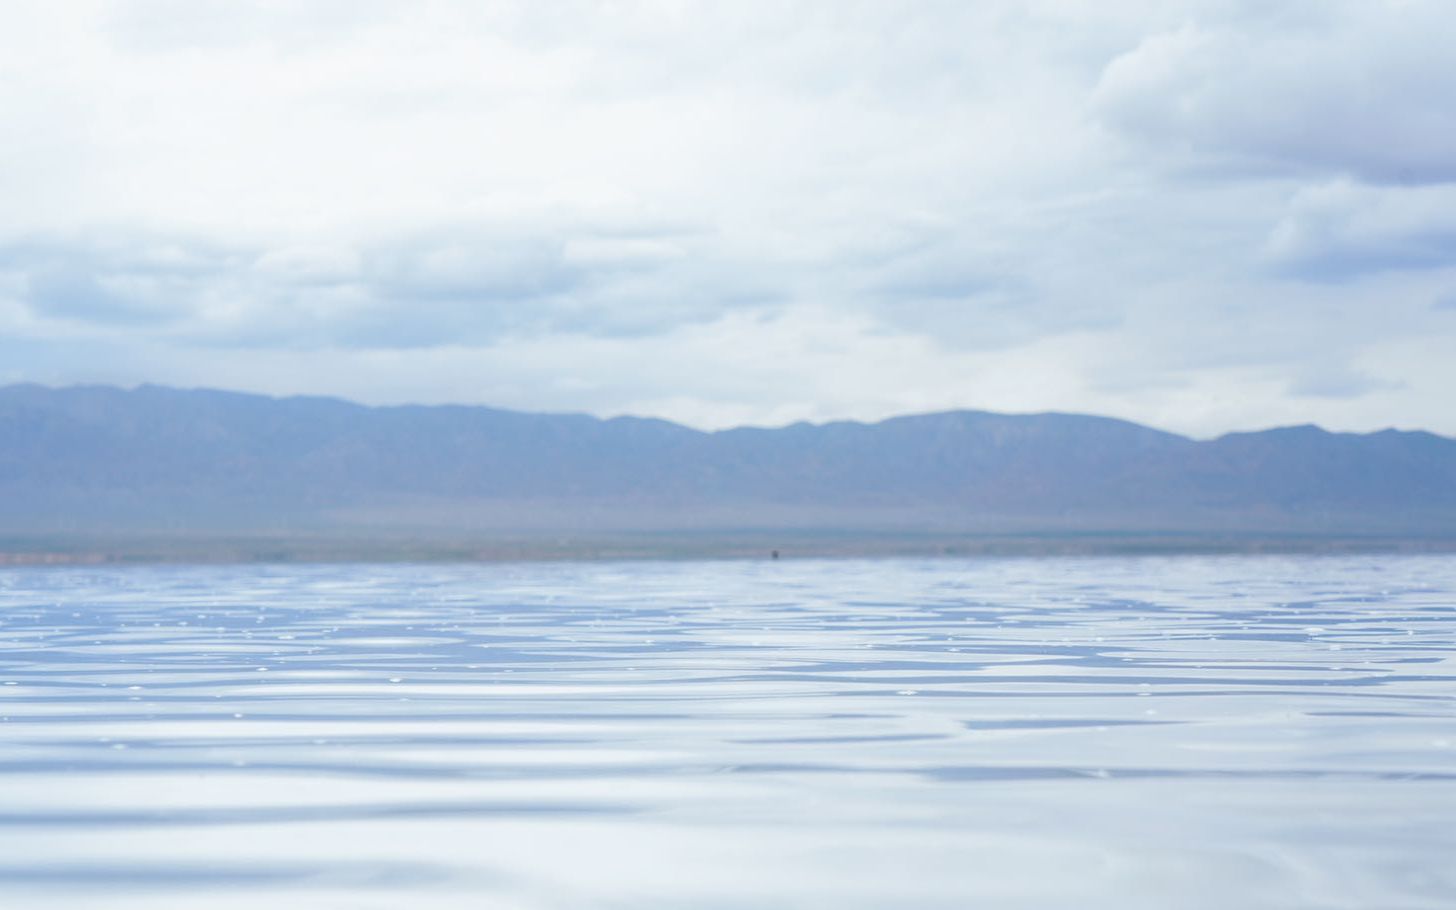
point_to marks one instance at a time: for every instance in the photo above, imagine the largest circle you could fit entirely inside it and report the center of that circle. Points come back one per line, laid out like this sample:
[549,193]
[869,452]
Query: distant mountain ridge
[96,458]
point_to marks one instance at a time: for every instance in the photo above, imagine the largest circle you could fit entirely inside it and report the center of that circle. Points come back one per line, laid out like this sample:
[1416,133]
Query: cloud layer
[1205,215]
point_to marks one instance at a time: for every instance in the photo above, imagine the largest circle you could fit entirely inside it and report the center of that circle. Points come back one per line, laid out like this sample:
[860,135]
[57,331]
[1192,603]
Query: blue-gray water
[1252,732]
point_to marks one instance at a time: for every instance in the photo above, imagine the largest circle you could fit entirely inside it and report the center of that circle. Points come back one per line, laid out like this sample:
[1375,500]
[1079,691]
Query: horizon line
[337,399]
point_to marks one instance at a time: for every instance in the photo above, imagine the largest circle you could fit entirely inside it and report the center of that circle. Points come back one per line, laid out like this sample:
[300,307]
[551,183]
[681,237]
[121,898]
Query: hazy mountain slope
[96,458]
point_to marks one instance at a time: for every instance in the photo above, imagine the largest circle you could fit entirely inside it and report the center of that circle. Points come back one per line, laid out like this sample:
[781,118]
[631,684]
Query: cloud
[1339,230]
[1202,213]
[117,281]
[955,290]
[177,25]
[1338,382]
[1352,89]
[457,285]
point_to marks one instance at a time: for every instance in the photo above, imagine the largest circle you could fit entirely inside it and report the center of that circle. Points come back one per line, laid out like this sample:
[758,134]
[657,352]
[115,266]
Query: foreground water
[1131,733]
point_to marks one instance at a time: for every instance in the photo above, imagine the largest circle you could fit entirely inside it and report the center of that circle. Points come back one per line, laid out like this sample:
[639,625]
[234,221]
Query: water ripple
[1123,733]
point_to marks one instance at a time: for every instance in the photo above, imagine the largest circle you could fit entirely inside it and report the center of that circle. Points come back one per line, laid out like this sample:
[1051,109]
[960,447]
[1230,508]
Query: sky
[1206,216]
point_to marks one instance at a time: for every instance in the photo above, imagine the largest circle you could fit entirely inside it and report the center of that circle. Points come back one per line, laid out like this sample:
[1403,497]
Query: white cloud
[1339,229]
[1204,214]
[1356,89]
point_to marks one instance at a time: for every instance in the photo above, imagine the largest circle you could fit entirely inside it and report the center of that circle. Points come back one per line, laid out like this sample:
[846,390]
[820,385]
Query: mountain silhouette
[102,459]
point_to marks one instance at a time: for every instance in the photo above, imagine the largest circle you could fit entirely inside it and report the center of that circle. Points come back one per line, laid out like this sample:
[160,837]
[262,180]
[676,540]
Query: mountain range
[96,459]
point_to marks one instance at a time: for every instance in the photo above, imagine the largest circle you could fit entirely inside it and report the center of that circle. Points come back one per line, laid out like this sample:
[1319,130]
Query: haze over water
[1256,732]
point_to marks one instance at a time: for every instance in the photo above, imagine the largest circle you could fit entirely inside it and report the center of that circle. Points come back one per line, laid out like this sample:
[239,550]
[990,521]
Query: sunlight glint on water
[1128,733]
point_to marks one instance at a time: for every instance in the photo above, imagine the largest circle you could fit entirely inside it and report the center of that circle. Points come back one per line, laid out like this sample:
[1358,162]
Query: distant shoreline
[100,474]
[120,550]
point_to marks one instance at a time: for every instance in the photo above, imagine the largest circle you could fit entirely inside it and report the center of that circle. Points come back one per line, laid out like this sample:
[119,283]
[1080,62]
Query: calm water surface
[1252,732]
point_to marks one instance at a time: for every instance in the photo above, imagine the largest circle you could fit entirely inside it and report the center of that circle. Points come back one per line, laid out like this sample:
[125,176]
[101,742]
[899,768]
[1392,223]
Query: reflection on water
[1129,733]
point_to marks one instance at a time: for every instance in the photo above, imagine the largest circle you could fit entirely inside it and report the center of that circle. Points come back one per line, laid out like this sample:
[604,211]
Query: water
[1252,732]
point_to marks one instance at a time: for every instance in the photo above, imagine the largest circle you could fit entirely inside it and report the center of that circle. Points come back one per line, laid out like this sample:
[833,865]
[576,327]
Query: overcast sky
[1206,216]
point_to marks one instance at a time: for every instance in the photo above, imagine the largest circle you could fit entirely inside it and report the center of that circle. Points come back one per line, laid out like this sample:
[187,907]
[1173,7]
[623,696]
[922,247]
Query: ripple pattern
[1196,732]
